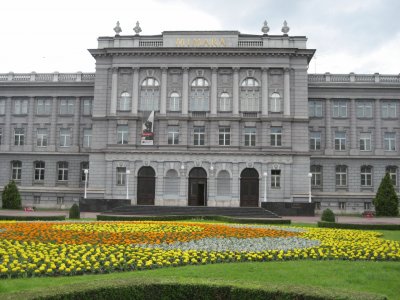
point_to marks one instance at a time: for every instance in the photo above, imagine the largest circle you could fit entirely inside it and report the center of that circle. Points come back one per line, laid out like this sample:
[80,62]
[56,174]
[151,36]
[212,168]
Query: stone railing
[342,78]
[47,77]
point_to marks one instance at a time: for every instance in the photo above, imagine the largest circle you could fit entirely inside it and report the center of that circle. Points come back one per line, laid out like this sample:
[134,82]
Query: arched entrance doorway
[249,188]
[146,186]
[197,187]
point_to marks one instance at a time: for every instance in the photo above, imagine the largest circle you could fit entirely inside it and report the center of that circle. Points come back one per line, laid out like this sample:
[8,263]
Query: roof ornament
[137,28]
[285,28]
[117,29]
[265,28]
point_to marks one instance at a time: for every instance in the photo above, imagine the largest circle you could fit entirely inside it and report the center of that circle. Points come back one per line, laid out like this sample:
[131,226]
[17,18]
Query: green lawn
[374,277]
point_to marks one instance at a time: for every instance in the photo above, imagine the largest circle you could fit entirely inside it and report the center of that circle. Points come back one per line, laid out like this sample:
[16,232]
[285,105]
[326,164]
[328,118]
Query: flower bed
[65,248]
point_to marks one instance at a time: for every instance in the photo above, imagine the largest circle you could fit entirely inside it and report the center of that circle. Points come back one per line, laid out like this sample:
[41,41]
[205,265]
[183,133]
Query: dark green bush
[32,218]
[328,216]
[74,212]
[11,197]
[360,226]
[386,201]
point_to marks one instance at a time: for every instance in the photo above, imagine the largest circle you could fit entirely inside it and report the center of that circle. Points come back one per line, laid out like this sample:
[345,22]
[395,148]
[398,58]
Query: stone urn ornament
[285,28]
[137,28]
[265,28]
[117,29]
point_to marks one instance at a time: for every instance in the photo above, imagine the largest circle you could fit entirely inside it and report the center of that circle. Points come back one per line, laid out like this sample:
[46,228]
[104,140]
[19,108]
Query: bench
[368,214]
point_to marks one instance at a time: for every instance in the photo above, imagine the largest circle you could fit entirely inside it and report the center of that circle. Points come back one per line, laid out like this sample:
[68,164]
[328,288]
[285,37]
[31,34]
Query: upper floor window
[249,95]
[16,168]
[250,136]
[316,179]
[341,175]
[2,106]
[199,95]
[224,136]
[87,137]
[20,106]
[39,170]
[125,102]
[65,137]
[340,109]
[366,176]
[389,109]
[392,170]
[173,135]
[364,109]
[315,108]
[276,136]
[225,102]
[43,106]
[19,136]
[174,102]
[315,140]
[87,106]
[67,106]
[122,134]
[276,102]
[62,167]
[41,137]
[365,141]
[150,94]
[389,140]
[198,135]
[340,140]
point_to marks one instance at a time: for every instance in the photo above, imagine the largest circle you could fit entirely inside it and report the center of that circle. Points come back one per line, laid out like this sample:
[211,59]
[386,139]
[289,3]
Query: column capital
[214,69]
[264,69]
[236,69]
[287,70]
[135,68]
[185,69]
[114,69]
[164,69]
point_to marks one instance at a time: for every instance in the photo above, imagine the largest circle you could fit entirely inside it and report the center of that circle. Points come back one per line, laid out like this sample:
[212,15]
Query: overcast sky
[361,36]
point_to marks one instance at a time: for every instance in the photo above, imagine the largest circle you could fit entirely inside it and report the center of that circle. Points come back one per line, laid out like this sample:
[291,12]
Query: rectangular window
[43,106]
[250,136]
[67,106]
[389,110]
[275,179]
[62,170]
[364,110]
[149,98]
[342,205]
[87,137]
[367,205]
[340,140]
[315,140]
[366,176]
[173,135]
[84,166]
[225,102]
[21,106]
[41,137]
[392,170]
[340,109]
[19,136]
[390,141]
[365,141]
[60,200]
[16,167]
[122,134]
[316,178]
[341,176]
[315,108]
[39,170]
[276,136]
[174,102]
[2,106]
[87,107]
[36,199]
[249,100]
[198,135]
[121,175]
[318,205]
[65,137]
[224,136]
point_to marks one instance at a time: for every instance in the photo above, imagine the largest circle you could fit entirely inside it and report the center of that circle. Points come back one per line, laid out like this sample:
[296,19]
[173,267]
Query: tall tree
[10,197]
[386,201]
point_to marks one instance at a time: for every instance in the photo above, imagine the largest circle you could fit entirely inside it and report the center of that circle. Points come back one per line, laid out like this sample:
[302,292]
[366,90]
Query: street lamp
[265,186]
[309,188]
[127,183]
[86,171]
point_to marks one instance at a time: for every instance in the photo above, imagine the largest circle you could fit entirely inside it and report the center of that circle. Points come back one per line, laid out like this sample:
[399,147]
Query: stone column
[214,91]
[264,92]
[378,128]
[7,126]
[77,115]
[163,104]
[286,92]
[114,91]
[29,133]
[328,127]
[53,122]
[185,91]
[353,128]
[135,91]
[235,94]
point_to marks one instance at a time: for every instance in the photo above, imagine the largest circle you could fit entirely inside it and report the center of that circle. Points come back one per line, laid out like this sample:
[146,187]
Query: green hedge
[359,226]
[189,218]
[32,218]
[170,291]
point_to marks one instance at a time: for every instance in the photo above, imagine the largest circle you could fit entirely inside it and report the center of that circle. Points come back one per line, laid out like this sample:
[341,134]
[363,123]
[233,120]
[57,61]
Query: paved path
[340,219]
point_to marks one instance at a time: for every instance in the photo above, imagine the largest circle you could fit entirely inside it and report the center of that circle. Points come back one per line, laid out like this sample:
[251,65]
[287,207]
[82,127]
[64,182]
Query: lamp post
[265,186]
[127,183]
[309,187]
[86,171]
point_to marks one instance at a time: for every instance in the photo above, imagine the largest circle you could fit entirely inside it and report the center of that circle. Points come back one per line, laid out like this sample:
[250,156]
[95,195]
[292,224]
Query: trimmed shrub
[386,201]
[32,218]
[74,212]
[11,197]
[359,226]
[328,216]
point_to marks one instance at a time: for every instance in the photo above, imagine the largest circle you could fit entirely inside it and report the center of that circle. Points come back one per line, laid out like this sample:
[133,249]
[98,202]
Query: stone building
[214,118]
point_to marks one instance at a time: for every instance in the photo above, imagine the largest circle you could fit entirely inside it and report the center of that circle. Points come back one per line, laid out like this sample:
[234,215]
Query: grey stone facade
[238,106]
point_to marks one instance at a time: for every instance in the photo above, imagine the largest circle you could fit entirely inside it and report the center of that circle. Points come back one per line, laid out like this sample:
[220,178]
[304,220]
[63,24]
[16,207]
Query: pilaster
[163,105]
[214,91]
[353,128]
[185,91]
[235,94]
[7,125]
[53,128]
[29,133]
[135,91]
[264,92]
[378,128]
[77,114]
[328,127]
[114,91]
[286,92]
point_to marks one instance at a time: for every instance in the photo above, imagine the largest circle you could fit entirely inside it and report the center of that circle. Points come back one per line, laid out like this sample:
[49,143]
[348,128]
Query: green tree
[74,212]
[328,216]
[386,201]
[11,197]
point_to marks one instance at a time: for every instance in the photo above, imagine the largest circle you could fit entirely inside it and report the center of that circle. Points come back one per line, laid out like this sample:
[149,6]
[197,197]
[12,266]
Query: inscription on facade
[200,42]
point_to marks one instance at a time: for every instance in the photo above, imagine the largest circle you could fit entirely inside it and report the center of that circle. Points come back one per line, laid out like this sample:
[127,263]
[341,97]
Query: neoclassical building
[215,118]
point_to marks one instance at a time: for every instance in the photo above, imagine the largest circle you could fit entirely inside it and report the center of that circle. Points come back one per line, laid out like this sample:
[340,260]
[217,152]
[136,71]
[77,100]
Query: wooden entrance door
[146,186]
[249,188]
[197,187]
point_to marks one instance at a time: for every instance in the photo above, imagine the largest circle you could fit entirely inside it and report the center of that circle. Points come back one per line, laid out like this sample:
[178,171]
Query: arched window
[174,102]
[225,102]
[223,183]
[149,94]
[276,102]
[171,183]
[125,101]
[16,167]
[249,95]
[39,170]
[366,175]
[199,94]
